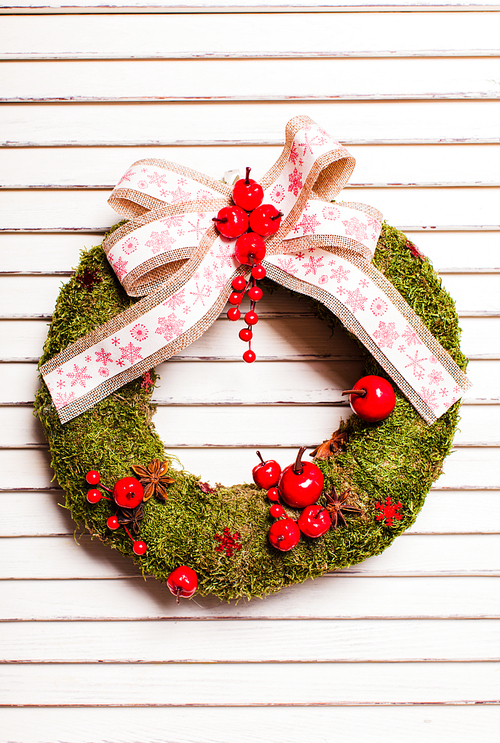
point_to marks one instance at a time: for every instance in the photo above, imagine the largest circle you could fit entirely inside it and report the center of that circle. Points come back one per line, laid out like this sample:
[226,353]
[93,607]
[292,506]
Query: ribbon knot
[170,254]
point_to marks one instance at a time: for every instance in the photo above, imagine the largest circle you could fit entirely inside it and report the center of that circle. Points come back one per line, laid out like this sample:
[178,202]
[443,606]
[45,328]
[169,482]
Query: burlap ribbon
[170,253]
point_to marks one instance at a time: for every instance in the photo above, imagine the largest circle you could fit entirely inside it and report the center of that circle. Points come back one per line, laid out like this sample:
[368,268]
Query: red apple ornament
[231,221]
[128,492]
[284,534]
[265,220]
[266,474]
[372,398]
[247,193]
[301,483]
[182,582]
[314,521]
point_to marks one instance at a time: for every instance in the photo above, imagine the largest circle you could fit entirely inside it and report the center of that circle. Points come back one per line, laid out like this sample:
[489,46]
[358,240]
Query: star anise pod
[153,479]
[331,446]
[130,517]
[337,506]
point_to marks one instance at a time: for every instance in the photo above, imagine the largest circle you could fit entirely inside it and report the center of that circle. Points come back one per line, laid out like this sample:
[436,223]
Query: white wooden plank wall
[404,647]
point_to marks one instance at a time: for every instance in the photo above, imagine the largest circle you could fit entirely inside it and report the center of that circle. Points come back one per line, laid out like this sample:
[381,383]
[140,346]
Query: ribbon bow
[171,254]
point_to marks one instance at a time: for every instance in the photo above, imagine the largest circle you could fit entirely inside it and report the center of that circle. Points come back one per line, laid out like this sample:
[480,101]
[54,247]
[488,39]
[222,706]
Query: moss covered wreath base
[398,458]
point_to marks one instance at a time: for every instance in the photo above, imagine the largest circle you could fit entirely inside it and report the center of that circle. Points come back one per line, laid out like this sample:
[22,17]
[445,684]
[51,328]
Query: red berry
[182,582]
[128,492]
[245,334]
[301,483]
[234,313]
[231,221]
[250,248]
[276,511]
[139,547]
[112,523]
[247,193]
[239,283]
[255,293]
[235,298]
[265,220]
[284,534]
[93,477]
[273,494]
[94,495]
[249,356]
[314,521]
[258,272]
[251,318]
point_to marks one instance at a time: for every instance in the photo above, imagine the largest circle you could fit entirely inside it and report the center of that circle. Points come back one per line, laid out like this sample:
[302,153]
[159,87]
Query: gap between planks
[374,54]
[240,142]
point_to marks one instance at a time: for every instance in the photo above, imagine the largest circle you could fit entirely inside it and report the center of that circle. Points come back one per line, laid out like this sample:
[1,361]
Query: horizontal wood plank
[53,253]
[400,207]
[211,123]
[206,425]
[443,513]
[329,597]
[465,469]
[259,684]
[389,165]
[62,558]
[249,79]
[168,35]
[449,724]
[265,641]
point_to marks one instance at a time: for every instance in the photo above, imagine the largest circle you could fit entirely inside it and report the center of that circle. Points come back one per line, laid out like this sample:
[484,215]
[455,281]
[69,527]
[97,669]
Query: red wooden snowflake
[388,511]
[147,382]
[414,250]
[88,279]
[228,542]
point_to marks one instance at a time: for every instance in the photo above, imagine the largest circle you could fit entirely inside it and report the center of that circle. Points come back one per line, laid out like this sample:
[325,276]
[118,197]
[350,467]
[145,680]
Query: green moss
[399,457]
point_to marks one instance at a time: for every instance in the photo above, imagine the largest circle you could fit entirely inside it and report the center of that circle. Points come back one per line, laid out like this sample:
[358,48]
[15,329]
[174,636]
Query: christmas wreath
[373,477]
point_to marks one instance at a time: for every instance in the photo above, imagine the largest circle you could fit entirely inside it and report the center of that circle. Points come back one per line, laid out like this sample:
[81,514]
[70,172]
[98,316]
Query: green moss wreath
[398,458]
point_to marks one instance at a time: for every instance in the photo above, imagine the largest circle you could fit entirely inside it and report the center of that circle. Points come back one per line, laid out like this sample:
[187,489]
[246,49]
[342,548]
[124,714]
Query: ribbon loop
[170,254]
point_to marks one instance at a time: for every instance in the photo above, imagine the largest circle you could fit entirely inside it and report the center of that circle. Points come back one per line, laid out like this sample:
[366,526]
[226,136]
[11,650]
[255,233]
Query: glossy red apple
[265,220]
[372,398]
[250,249]
[266,474]
[314,521]
[231,221]
[301,483]
[128,492]
[284,534]
[247,193]
[182,582]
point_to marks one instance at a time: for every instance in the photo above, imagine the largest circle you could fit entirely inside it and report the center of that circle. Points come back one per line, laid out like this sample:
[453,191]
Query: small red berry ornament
[247,193]
[372,398]
[265,220]
[231,222]
[314,521]
[273,494]
[128,493]
[276,511]
[182,582]
[284,534]
[250,249]
[301,483]
[266,474]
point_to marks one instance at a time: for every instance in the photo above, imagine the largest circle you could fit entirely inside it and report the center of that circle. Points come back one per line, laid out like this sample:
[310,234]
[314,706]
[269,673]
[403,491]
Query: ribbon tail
[400,342]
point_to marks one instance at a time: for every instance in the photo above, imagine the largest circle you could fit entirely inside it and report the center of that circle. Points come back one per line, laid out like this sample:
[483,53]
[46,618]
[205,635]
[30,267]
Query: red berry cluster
[299,485]
[127,493]
[250,221]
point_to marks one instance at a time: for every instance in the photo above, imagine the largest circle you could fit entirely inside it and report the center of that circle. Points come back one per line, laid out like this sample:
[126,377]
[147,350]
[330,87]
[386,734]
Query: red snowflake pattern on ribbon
[130,353]
[139,332]
[378,307]
[355,228]
[295,182]
[228,542]
[130,245]
[388,511]
[356,301]
[159,241]
[169,327]
[79,375]
[386,334]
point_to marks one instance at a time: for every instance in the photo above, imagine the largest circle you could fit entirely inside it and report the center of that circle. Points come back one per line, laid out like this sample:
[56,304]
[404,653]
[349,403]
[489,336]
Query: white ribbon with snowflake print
[170,253]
